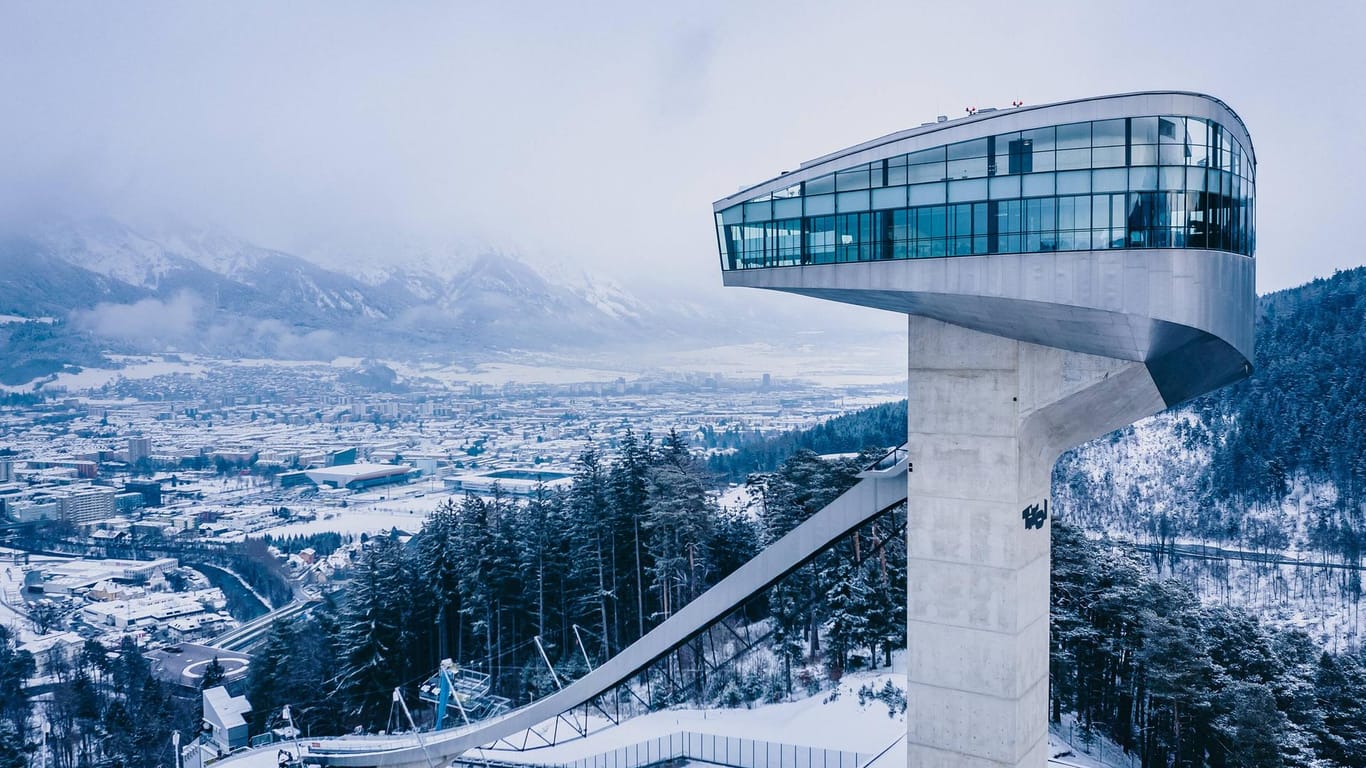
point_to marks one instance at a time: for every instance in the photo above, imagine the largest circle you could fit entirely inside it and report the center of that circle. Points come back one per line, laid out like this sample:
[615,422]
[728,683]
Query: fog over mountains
[116,287]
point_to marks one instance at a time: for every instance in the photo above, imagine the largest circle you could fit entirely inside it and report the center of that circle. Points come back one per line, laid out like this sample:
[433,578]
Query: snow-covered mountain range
[195,290]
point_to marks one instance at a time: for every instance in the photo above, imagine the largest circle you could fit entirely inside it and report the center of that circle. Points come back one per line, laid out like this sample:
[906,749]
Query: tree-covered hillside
[1303,410]
[1178,683]
[1276,460]
[881,426]
[635,538]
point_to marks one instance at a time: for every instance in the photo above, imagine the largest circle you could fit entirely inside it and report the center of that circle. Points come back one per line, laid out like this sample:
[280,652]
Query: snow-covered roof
[231,710]
[346,473]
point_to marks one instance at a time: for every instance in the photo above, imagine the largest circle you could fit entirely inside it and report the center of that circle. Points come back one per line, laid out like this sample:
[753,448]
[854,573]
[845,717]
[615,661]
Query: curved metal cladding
[1157,269]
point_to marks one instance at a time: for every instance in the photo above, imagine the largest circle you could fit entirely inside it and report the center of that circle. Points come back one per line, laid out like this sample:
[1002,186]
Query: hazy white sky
[600,133]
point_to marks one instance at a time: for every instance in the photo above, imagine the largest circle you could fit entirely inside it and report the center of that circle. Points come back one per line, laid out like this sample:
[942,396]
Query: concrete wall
[987,418]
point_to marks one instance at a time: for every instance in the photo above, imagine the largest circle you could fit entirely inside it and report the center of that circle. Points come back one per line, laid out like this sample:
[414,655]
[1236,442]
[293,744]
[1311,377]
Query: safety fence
[720,750]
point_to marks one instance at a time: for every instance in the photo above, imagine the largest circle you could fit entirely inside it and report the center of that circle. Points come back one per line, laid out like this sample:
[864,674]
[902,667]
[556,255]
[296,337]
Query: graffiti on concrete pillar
[1034,515]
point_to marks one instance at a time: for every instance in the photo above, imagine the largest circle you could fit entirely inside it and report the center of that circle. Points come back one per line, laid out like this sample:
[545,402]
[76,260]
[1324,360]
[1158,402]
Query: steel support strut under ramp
[879,489]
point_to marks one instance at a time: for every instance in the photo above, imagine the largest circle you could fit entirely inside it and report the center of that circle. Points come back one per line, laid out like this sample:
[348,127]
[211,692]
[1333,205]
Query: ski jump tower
[1066,270]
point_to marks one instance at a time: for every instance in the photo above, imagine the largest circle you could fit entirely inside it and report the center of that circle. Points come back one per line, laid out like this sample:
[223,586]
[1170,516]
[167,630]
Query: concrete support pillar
[988,417]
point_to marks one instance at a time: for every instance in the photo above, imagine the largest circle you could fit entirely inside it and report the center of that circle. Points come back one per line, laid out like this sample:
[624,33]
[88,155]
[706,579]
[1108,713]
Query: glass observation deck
[1159,181]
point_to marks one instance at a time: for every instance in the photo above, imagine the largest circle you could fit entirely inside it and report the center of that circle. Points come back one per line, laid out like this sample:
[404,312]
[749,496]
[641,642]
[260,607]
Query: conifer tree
[213,675]
[848,602]
[373,633]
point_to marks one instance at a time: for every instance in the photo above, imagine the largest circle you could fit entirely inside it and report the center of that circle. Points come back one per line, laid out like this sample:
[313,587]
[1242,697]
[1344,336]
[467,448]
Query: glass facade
[1138,182]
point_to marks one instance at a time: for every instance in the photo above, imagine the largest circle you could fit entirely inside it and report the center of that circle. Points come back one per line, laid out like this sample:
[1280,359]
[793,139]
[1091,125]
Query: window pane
[821,186]
[733,215]
[1116,221]
[1003,156]
[855,178]
[820,239]
[1073,182]
[1074,136]
[1041,138]
[758,211]
[928,194]
[1073,159]
[1082,214]
[1038,217]
[1100,213]
[788,235]
[846,237]
[1038,184]
[789,208]
[1143,130]
[968,168]
[975,189]
[962,221]
[932,221]
[1041,141]
[820,204]
[1143,178]
[902,225]
[1195,179]
[1143,154]
[1173,154]
[964,149]
[890,197]
[896,175]
[1004,187]
[934,155]
[1107,133]
[1019,156]
[1066,213]
[926,172]
[852,201]
[1171,178]
[1197,131]
[1010,217]
[1109,180]
[1107,157]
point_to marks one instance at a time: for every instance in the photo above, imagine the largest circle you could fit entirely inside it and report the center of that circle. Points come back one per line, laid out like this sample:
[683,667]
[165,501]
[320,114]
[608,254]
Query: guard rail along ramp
[880,488]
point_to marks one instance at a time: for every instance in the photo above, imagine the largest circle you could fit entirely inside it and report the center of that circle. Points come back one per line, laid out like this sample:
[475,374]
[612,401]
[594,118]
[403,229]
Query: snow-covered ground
[815,721]
[371,512]
[821,720]
[13,611]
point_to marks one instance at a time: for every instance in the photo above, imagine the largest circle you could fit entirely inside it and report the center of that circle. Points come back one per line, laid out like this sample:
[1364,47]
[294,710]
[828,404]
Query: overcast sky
[600,133]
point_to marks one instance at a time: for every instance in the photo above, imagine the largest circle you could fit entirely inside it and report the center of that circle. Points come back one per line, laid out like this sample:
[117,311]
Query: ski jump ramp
[878,490]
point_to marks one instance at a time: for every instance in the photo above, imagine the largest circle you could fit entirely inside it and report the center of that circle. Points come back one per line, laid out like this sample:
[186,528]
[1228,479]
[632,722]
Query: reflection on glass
[1158,182]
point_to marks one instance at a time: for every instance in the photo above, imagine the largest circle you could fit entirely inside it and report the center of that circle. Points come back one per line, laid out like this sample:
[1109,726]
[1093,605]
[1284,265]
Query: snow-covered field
[372,512]
[855,366]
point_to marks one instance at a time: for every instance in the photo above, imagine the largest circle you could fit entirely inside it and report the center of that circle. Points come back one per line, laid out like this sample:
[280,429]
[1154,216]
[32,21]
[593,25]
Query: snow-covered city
[611,385]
